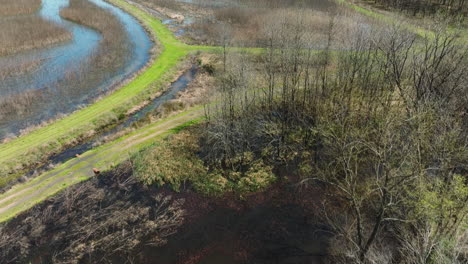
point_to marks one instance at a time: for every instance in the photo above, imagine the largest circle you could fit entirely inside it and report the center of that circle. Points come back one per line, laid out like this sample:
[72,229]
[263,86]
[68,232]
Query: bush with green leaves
[169,162]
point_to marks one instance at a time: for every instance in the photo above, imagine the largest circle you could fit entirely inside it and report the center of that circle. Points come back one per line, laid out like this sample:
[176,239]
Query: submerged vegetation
[102,55]
[21,29]
[114,46]
[35,33]
[88,218]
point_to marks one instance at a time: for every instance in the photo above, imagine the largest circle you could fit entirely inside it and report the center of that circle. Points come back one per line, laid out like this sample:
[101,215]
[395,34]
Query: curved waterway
[48,87]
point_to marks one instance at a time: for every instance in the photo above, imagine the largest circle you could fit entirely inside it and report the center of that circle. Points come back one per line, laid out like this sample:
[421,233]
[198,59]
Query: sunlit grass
[104,157]
[31,148]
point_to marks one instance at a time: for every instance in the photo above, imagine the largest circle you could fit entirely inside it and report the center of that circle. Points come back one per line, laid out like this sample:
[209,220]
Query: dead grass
[21,104]
[114,48]
[25,33]
[12,67]
[18,7]
[198,91]
[171,4]
[99,215]
[251,22]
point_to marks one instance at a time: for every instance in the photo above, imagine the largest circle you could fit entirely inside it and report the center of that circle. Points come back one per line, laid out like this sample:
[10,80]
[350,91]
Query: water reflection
[60,68]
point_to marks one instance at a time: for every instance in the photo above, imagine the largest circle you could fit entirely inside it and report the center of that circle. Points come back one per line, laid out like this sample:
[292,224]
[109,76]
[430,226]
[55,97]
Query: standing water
[47,82]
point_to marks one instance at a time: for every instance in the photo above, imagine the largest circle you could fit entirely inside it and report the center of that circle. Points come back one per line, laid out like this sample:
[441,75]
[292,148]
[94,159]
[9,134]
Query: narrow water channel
[178,86]
[52,82]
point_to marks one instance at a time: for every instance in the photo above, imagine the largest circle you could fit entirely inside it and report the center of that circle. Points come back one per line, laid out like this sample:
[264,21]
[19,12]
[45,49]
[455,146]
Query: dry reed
[29,32]
[18,7]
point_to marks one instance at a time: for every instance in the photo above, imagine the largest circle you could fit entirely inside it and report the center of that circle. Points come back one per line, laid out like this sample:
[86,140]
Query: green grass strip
[28,149]
[105,157]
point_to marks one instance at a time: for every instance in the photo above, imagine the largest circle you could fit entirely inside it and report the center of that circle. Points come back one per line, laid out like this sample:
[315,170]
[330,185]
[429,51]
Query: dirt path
[24,196]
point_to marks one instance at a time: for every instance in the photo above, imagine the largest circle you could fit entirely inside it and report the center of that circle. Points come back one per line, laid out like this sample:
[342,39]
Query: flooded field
[41,84]
[250,23]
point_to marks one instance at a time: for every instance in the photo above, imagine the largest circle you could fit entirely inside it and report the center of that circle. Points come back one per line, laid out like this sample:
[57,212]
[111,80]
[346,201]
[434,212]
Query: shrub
[105,120]
[208,68]
[258,177]
[170,162]
[213,184]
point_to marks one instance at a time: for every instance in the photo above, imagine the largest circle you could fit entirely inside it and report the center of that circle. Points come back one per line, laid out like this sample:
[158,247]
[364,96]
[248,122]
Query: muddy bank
[275,226]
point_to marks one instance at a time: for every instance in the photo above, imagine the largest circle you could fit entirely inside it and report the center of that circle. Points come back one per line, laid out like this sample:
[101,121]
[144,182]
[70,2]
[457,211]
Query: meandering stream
[47,82]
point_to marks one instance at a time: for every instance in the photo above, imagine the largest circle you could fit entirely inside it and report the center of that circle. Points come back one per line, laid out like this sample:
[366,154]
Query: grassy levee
[105,157]
[31,148]
[23,196]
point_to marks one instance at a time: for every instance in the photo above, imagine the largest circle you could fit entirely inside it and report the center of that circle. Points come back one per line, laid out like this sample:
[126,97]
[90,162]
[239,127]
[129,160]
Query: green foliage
[105,120]
[441,200]
[258,177]
[169,162]
[213,184]
[174,162]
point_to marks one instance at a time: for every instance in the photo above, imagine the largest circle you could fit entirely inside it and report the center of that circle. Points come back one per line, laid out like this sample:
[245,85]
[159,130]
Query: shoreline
[18,154]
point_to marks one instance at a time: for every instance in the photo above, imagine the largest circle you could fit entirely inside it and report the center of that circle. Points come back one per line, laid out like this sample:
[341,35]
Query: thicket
[175,163]
[382,125]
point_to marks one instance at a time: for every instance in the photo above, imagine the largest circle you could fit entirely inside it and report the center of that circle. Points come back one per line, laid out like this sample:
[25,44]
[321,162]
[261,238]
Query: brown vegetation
[19,104]
[104,216]
[267,227]
[382,127]
[80,81]
[18,7]
[12,67]
[114,47]
[249,23]
[25,33]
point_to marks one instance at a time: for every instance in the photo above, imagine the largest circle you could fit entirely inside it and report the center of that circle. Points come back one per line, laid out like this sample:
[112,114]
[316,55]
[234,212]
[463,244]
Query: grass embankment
[105,157]
[18,154]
